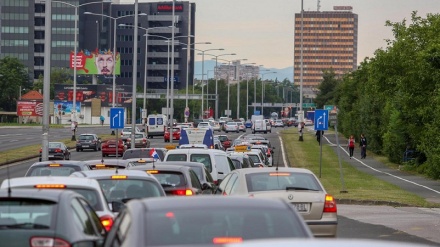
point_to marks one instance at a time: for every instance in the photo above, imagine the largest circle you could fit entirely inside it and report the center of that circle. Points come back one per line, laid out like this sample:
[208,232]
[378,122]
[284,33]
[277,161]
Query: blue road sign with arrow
[116,118]
[321,119]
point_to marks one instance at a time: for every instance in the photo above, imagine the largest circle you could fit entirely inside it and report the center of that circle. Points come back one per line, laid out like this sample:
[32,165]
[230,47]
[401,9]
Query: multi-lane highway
[355,221]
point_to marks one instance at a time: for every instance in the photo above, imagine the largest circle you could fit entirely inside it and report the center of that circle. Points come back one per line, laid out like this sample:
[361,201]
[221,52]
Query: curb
[371,203]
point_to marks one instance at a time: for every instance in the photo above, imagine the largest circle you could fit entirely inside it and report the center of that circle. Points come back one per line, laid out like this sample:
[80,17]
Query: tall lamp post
[262,90]
[115,19]
[247,89]
[237,77]
[216,79]
[73,114]
[229,66]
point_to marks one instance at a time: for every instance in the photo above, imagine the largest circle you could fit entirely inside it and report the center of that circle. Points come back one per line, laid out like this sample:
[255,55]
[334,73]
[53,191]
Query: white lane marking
[282,151]
[379,171]
[12,135]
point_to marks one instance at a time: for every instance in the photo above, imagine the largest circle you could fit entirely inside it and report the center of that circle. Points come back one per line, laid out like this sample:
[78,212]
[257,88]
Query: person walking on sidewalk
[350,145]
[102,118]
[363,146]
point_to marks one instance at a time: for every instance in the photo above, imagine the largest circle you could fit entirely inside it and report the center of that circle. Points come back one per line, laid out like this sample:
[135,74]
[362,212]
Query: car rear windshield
[91,196]
[265,181]
[62,170]
[19,213]
[117,190]
[170,179]
[203,158]
[176,157]
[86,137]
[142,153]
[209,225]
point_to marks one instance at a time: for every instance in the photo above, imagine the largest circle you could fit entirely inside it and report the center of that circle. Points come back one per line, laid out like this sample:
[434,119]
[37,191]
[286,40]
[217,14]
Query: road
[411,225]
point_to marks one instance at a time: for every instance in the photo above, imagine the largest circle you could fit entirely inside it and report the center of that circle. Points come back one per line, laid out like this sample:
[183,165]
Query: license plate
[111,146]
[85,146]
[50,156]
[300,207]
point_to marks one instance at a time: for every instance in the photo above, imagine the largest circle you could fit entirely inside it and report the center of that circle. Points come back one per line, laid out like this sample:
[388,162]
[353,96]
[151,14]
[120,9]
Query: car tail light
[226,240]
[330,204]
[216,182]
[48,242]
[144,140]
[58,150]
[106,221]
[186,192]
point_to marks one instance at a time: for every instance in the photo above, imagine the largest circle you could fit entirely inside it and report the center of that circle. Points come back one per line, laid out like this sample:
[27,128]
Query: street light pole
[262,90]
[133,103]
[237,77]
[247,90]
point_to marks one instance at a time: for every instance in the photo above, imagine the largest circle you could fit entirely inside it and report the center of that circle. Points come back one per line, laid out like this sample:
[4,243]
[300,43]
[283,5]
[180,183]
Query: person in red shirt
[350,145]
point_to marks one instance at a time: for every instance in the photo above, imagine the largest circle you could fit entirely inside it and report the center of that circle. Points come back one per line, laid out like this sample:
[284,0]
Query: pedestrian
[350,145]
[102,118]
[363,146]
[319,134]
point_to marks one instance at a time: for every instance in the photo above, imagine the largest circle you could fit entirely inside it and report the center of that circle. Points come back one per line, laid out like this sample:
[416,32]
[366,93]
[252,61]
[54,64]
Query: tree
[13,77]
[326,89]
[57,76]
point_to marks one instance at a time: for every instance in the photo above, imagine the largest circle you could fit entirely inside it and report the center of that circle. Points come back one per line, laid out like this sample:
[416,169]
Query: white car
[231,127]
[216,126]
[205,125]
[89,188]
[241,126]
[278,123]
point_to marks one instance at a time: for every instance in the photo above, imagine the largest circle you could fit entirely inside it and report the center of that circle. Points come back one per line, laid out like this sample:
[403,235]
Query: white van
[216,161]
[156,125]
[259,125]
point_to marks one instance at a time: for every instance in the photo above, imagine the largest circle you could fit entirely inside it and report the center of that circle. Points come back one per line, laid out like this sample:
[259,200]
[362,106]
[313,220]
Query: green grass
[358,185]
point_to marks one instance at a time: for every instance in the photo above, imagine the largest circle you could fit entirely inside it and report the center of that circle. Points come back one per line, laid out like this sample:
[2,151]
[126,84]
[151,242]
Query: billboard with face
[98,62]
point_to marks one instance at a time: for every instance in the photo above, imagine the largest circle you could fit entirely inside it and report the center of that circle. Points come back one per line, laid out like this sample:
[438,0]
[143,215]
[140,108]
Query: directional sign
[117,118]
[321,120]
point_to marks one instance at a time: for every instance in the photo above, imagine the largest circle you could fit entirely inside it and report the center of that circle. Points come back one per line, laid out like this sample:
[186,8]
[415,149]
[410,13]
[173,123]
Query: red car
[109,147]
[226,142]
[176,134]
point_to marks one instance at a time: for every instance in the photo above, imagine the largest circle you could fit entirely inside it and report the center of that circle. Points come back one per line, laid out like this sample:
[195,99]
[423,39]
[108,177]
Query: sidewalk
[417,184]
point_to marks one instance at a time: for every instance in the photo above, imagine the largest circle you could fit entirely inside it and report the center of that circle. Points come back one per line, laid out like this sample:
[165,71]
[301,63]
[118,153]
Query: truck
[197,136]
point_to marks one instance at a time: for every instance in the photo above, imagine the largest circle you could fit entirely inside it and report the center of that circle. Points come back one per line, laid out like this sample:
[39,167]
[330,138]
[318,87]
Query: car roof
[61,162]
[274,170]
[52,195]
[182,163]
[160,167]
[68,181]
[107,162]
[97,174]
[195,150]
[212,202]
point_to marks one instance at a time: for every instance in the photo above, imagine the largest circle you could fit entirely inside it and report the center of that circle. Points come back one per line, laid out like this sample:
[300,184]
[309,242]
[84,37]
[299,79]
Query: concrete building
[329,40]
[22,34]
[236,71]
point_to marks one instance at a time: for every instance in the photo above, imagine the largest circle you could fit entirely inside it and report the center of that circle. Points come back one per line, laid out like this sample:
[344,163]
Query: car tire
[77,149]
[96,148]
[68,157]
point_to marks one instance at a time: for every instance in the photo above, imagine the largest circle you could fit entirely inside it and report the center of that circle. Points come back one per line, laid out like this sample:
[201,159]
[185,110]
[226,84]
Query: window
[230,184]
[81,218]
[195,180]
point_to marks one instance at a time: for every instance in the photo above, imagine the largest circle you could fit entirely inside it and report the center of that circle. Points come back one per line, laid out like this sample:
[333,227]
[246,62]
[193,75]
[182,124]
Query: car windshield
[265,181]
[203,158]
[18,213]
[170,179]
[86,137]
[117,190]
[91,196]
[208,225]
[55,145]
[62,170]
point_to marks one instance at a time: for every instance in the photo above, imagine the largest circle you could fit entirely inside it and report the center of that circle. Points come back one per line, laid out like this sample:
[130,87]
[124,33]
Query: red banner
[29,108]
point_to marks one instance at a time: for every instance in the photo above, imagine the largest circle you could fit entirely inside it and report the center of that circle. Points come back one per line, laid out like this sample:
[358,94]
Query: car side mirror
[117,206]
[206,186]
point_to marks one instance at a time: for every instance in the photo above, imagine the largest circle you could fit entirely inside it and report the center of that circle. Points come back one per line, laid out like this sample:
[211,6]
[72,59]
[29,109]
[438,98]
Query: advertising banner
[29,108]
[86,92]
[64,108]
[98,62]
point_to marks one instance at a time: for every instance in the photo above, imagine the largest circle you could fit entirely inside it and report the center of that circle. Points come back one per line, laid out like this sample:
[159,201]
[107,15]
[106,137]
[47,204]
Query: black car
[88,141]
[176,180]
[204,221]
[39,217]
[57,150]
[56,168]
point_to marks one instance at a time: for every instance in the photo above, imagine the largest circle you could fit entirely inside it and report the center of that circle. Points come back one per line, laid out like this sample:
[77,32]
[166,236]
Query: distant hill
[209,68]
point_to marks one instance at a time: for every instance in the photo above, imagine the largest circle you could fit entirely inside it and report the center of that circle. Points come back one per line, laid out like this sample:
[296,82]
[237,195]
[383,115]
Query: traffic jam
[203,188]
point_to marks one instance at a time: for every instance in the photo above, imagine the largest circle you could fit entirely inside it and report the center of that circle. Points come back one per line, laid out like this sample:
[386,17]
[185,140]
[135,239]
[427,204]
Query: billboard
[64,108]
[86,92]
[29,108]
[98,62]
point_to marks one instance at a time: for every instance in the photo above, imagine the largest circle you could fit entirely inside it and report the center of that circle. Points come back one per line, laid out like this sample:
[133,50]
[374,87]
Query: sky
[262,31]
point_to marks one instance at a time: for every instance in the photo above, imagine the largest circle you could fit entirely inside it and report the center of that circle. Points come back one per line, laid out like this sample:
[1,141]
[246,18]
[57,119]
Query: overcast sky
[262,31]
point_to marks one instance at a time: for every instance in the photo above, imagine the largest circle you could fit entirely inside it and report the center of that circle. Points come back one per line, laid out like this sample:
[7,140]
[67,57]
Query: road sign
[328,107]
[186,111]
[309,105]
[117,118]
[321,120]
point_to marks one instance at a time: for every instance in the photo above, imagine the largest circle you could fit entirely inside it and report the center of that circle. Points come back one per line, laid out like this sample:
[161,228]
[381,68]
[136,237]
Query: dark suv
[88,141]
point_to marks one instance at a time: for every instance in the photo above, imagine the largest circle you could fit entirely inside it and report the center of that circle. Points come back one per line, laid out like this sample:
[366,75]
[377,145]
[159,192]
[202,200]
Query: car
[268,125]
[89,188]
[216,161]
[308,122]
[39,217]
[241,126]
[195,145]
[205,125]
[123,185]
[88,141]
[231,127]
[176,180]
[278,123]
[224,139]
[126,132]
[257,158]
[186,125]
[140,140]
[204,221]
[244,160]
[56,150]
[217,126]
[218,144]
[141,161]
[320,242]
[259,125]
[248,124]
[113,147]
[176,134]
[297,186]
[56,168]
[105,164]
[200,170]
[144,153]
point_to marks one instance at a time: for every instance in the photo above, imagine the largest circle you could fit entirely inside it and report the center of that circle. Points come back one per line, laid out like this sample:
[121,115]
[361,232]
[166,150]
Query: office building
[329,41]
[236,71]
[22,24]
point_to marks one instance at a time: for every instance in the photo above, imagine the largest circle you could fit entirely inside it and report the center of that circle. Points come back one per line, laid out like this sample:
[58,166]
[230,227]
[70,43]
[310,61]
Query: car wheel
[68,157]
[96,148]
[77,149]
[82,149]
